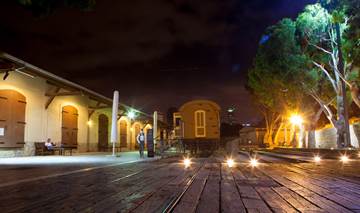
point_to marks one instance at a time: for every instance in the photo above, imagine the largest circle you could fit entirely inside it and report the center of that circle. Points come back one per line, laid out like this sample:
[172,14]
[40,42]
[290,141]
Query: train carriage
[197,124]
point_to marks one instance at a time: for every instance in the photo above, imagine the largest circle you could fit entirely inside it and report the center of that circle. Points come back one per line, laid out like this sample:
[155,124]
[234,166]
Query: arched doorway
[12,118]
[69,126]
[103,133]
[123,133]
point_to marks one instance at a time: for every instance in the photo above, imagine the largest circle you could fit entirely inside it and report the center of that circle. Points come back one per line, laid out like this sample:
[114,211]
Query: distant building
[198,119]
[251,136]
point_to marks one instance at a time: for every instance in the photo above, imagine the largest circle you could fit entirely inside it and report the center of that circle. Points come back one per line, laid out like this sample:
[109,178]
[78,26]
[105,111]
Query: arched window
[200,125]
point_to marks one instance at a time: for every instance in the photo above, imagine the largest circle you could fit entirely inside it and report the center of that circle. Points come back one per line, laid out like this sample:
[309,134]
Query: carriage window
[177,121]
[200,128]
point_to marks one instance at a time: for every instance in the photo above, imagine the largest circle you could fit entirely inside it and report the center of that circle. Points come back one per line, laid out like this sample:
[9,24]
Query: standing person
[140,138]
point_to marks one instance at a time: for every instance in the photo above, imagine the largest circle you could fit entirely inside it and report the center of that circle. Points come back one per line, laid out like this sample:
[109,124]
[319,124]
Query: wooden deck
[207,186]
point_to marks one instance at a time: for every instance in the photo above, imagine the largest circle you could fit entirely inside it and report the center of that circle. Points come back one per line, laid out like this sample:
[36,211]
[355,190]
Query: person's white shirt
[140,137]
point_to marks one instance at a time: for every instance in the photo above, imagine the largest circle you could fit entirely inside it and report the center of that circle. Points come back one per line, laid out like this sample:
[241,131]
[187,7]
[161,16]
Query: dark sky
[157,53]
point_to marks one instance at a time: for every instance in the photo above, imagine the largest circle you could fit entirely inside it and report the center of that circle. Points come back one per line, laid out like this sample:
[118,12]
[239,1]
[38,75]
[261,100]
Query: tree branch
[327,74]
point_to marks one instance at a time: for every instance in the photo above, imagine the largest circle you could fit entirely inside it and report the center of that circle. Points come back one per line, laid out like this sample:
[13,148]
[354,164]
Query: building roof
[18,65]
[215,105]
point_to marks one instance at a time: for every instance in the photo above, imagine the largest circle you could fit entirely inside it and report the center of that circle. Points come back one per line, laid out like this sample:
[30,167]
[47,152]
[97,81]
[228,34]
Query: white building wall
[34,91]
[326,138]
[42,124]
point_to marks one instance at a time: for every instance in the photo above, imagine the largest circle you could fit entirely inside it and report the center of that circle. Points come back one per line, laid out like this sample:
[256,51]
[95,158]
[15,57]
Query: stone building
[36,105]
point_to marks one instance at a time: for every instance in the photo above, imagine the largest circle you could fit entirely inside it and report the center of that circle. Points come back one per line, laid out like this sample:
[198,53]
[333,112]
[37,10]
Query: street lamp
[296,120]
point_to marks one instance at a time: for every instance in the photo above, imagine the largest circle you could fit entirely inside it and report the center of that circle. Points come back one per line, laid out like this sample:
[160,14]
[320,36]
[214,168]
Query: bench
[41,149]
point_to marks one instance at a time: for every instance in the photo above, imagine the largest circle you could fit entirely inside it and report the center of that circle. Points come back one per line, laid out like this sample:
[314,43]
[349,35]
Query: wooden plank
[296,200]
[230,197]
[210,198]
[191,198]
[311,196]
[276,202]
[163,195]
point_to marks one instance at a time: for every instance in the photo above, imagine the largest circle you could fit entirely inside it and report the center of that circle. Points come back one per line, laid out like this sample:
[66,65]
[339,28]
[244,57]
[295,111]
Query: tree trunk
[340,123]
[342,112]
[355,94]
[311,139]
[312,127]
[276,138]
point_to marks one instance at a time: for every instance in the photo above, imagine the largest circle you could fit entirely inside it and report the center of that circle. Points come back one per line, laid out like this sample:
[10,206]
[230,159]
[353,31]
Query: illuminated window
[200,127]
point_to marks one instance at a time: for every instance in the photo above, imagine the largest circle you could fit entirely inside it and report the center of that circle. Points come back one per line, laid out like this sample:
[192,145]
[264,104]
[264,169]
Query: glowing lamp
[254,162]
[131,114]
[187,162]
[89,123]
[344,158]
[230,162]
[296,119]
[317,159]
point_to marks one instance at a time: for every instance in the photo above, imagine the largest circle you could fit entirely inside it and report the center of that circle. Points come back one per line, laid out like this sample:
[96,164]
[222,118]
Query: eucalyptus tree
[317,33]
[278,64]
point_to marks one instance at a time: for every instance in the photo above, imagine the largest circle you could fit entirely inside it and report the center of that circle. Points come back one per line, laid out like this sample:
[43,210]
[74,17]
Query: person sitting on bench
[49,145]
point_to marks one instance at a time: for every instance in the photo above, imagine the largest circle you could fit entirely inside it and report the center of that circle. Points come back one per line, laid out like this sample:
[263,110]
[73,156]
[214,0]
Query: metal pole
[114,127]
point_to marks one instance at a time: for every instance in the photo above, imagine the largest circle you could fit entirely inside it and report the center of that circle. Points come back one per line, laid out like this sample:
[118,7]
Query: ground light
[344,158]
[230,162]
[254,162]
[187,162]
[317,159]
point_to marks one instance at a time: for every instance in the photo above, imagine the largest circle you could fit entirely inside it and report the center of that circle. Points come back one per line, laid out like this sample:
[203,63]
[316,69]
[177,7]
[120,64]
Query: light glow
[296,119]
[344,158]
[317,159]
[187,162]
[89,123]
[131,114]
[254,162]
[230,162]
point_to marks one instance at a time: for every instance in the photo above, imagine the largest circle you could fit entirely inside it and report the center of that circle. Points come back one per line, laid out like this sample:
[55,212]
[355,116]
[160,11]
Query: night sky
[157,53]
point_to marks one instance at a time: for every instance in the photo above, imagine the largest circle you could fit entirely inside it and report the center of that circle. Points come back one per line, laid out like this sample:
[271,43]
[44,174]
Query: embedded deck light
[230,162]
[254,162]
[187,162]
[344,158]
[317,159]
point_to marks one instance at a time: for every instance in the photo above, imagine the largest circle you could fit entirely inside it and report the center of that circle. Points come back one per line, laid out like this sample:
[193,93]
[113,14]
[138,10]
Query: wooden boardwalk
[208,185]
